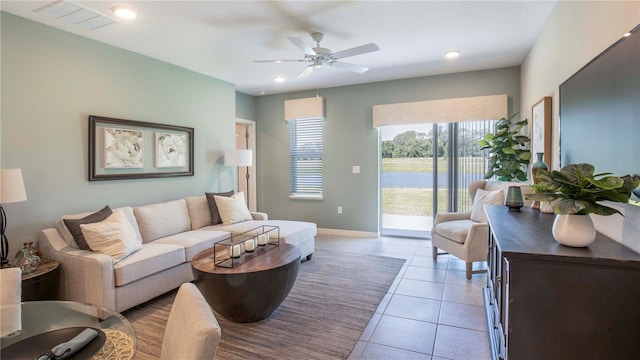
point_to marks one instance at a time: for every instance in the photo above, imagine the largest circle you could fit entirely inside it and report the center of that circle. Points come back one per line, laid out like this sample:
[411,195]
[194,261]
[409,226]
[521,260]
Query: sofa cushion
[455,230]
[151,259]
[73,225]
[213,207]
[292,232]
[199,212]
[194,241]
[483,198]
[114,236]
[233,209]
[68,238]
[162,219]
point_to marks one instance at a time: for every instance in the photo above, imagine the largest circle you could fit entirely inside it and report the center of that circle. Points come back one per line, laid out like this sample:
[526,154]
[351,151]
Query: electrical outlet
[339,209]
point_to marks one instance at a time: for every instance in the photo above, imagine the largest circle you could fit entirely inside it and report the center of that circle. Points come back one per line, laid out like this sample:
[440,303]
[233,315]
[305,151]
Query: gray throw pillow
[74,225]
[213,208]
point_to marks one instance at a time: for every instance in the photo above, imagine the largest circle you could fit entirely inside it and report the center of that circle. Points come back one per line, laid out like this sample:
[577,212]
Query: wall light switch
[356,169]
[339,209]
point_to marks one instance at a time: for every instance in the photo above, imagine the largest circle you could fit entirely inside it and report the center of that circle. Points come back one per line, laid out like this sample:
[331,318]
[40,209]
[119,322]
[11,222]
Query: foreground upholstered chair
[10,298]
[465,235]
[10,286]
[192,331]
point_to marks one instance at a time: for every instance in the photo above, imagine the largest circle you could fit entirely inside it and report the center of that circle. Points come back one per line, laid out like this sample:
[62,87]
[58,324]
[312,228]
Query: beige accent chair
[457,234]
[192,331]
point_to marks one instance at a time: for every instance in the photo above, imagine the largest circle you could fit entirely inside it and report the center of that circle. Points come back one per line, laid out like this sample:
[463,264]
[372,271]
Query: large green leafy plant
[508,155]
[575,189]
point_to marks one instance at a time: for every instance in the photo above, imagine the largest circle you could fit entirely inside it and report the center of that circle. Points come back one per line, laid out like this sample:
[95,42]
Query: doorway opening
[246,175]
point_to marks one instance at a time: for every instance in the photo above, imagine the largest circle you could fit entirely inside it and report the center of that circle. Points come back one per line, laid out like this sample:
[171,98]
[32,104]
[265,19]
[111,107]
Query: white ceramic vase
[574,230]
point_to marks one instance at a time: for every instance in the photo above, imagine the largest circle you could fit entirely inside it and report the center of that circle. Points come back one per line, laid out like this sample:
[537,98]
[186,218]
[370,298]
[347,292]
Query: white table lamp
[239,157]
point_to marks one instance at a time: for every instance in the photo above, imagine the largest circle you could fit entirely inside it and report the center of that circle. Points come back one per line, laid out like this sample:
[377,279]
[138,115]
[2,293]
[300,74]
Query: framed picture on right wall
[541,129]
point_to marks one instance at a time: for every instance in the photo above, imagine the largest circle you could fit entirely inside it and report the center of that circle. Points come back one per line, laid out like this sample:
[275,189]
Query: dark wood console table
[547,301]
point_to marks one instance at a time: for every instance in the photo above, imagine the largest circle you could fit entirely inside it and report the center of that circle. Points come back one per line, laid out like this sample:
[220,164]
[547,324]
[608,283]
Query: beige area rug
[323,317]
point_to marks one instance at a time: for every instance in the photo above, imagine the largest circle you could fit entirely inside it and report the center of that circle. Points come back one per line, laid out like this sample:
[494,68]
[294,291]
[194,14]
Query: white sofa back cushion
[162,219]
[199,212]
[68,238]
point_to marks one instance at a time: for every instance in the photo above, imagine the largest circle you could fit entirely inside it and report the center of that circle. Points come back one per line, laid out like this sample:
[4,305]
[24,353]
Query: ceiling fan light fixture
[279,79]
[123,12]
[452,54]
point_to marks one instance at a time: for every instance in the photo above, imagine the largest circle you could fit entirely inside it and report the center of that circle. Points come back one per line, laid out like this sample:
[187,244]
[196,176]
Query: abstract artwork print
[123,148]
[170,150]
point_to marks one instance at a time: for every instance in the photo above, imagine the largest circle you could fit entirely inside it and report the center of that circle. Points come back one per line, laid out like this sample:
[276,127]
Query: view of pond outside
[407,177]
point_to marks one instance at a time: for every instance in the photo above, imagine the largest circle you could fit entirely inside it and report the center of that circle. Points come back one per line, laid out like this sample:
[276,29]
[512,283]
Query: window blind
[306,157]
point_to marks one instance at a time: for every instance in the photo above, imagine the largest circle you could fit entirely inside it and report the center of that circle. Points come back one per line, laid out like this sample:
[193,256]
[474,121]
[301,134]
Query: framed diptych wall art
[127,149]
[541,129]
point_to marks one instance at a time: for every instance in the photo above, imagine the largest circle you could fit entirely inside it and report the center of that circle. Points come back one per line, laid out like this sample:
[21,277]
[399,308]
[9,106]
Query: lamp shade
[11,186]
[238,157]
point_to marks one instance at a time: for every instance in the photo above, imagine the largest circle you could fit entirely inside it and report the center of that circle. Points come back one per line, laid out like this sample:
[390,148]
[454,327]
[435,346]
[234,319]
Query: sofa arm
[85,276]
[444,217]
[259,216]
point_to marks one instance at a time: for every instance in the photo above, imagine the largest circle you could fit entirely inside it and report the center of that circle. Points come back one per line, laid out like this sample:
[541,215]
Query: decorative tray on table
[240,248]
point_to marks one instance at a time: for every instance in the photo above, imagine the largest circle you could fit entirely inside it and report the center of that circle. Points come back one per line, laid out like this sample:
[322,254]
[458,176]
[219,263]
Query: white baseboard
[351,233]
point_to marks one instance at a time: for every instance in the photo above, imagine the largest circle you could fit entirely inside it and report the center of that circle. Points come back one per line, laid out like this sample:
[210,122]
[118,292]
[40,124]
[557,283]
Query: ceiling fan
[319,56]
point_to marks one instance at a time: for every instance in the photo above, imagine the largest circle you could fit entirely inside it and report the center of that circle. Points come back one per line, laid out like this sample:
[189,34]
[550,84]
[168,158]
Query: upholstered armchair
[465,235]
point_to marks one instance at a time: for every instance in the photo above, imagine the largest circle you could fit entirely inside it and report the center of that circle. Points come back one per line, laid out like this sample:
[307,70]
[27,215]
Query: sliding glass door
[426,169]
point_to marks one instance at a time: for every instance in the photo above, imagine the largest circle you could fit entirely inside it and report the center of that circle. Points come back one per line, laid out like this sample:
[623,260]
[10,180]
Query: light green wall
[52,80]
[350,139]
[245,106]
[575,33]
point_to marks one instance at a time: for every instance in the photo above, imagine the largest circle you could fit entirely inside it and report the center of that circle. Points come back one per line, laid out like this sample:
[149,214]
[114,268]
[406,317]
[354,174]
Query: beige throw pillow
[483,198]
[232,209]
[114,236]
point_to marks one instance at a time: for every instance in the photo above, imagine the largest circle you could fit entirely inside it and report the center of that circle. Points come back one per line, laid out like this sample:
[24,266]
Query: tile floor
[430,312]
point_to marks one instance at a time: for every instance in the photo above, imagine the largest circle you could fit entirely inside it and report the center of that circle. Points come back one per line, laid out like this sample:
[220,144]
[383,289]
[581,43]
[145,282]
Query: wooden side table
[41,284]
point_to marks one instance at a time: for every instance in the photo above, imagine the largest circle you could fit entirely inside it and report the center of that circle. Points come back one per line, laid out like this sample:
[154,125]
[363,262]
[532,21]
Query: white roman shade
[306,108]
[492,107]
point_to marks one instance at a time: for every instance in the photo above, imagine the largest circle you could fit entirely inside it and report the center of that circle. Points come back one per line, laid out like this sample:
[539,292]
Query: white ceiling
[222,38]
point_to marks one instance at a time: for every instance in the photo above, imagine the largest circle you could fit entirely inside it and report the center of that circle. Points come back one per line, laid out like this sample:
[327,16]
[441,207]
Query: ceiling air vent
[75,14]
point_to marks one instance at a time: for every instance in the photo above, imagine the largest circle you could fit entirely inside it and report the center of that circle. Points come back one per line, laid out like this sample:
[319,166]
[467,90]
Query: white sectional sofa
[172,233]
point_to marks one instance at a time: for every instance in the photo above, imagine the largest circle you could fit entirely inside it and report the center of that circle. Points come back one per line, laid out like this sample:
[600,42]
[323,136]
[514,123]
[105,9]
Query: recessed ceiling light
[124,13]
[452,54]
[279,79]
[627,34]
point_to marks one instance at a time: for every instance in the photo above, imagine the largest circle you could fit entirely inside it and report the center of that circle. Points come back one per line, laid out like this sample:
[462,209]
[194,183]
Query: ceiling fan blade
[306,72]
[349,67]
[358,50]
[277,61]
[301,45]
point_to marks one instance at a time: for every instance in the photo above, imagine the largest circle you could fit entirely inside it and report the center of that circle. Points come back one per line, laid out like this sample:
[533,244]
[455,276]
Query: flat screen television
[600,111]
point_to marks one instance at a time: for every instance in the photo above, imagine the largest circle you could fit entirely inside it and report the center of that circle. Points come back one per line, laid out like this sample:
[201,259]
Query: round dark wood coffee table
[250,291]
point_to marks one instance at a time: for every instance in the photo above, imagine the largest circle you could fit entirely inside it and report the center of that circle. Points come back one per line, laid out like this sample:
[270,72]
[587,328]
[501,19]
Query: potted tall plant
[508,155]
[575,192]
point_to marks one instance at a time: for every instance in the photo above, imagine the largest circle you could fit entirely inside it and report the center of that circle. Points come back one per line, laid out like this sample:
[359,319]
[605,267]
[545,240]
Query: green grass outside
[419,202]
[412,201]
